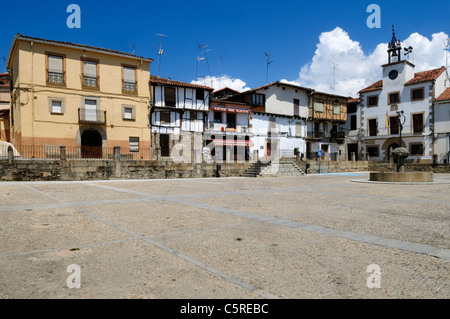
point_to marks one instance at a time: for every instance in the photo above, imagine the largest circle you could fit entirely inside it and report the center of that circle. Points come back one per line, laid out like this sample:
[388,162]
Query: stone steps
[287,168]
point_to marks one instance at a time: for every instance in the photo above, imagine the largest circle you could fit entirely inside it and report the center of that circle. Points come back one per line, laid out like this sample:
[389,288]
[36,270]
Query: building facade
[178,117]
[402,102]
[442,127]
[5,105]
[278,119]
[228,135]
[326,113]
[78,95]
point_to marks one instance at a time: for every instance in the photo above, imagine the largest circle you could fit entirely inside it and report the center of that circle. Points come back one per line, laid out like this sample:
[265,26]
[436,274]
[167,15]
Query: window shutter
[129,75]
[90,68]
[55,64]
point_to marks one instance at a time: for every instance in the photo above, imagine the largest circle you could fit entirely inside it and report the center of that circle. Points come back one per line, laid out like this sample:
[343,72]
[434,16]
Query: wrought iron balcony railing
[55,77]
[91,116]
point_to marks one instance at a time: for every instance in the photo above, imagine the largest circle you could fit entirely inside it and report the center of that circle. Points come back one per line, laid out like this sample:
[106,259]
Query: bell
[394,53]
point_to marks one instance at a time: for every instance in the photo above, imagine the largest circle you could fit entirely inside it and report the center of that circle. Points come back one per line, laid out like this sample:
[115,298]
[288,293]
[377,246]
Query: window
[351,108]
[417,94]
[128,112]
[55,69]
[169,96]
[394,98]
[258,99]
[56,107]
[89,112]
[353,124]
[372,100]
[318,106]
[336,109]
[90,79]
[134,144]
[394,125]
[200,94]
[416,149]
[373,127]
[418,123]
[129,79]
[296,107]
[373,151]
[217,117]
[165,117]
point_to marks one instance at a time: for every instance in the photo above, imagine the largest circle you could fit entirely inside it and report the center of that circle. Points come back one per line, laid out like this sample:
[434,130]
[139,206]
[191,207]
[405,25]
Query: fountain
[400,154]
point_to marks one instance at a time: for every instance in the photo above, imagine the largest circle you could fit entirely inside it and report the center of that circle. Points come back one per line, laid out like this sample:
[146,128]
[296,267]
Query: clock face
[393,74]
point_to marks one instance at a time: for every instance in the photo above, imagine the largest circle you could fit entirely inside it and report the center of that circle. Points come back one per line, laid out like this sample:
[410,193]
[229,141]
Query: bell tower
[394,49]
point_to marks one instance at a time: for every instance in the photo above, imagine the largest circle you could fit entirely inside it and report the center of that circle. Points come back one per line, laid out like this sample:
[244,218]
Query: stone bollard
[353,157]
[10,154]
[117,162]
[62,153]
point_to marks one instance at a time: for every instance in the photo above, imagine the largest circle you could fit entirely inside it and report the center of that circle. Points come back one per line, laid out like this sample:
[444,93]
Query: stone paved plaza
[293,237]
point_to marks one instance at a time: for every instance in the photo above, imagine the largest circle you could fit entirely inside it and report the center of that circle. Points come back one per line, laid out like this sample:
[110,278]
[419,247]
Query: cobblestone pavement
[313,236]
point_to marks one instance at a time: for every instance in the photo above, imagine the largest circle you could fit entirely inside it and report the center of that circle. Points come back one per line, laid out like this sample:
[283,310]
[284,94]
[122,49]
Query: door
[91,144]
[164,144]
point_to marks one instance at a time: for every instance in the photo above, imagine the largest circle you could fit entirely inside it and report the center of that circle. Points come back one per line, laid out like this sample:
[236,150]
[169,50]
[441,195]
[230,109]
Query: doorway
[164,144]
[352,148]
[91,144]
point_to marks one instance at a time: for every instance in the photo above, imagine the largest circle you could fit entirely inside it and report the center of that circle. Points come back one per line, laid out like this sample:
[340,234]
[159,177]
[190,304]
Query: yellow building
[78,95]
[4,107]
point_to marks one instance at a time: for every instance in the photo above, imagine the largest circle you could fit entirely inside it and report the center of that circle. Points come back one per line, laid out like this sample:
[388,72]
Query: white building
[179,112]
[278,119]
[405,99]
[442,127]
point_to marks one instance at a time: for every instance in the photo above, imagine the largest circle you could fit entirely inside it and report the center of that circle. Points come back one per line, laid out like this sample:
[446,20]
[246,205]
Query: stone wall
[57,170]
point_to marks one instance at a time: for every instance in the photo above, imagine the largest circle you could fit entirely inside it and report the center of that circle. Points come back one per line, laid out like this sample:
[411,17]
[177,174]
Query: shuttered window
[55,69]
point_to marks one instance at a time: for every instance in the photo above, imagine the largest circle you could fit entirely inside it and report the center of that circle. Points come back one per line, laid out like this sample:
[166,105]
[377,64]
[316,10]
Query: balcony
[90,81]
[337,135]
[316,135]
[91,116]
[129,87]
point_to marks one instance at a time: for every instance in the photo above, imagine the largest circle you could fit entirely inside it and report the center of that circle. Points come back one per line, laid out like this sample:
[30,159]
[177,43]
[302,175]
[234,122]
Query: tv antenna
[335,67]
[196,67]
[446,48]
[160,51]
[267,66]
[205,51]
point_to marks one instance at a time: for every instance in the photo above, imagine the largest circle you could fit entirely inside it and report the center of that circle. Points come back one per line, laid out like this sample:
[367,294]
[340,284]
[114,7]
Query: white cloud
[356,69]
[221,82]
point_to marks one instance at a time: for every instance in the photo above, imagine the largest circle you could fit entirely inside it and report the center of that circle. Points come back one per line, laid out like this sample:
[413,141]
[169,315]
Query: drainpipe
[32,92]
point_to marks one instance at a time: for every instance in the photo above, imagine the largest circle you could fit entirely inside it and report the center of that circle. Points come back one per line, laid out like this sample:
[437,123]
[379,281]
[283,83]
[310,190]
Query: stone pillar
[117,163]
[10,154]
[353,156]
[62,153]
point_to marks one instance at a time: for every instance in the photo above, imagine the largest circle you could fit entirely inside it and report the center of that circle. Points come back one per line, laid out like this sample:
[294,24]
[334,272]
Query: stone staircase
[282,168]
[256,169]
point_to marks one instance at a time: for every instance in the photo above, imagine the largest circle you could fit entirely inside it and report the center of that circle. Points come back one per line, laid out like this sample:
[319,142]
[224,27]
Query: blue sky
[240,33]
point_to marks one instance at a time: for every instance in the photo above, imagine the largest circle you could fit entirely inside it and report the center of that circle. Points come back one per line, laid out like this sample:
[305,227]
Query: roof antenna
[446,48]
[267,66]
[334,66]
[160,52]
[196,67]
[204,46]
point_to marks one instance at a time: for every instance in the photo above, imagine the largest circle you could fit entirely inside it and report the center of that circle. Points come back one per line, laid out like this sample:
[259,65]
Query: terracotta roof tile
[374,87]
[426,76]
[4,80]
[82,46]
[444,96]
[159,80]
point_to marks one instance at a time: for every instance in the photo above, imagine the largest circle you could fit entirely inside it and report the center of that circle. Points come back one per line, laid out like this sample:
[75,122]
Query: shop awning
[230,109]
[242,143]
